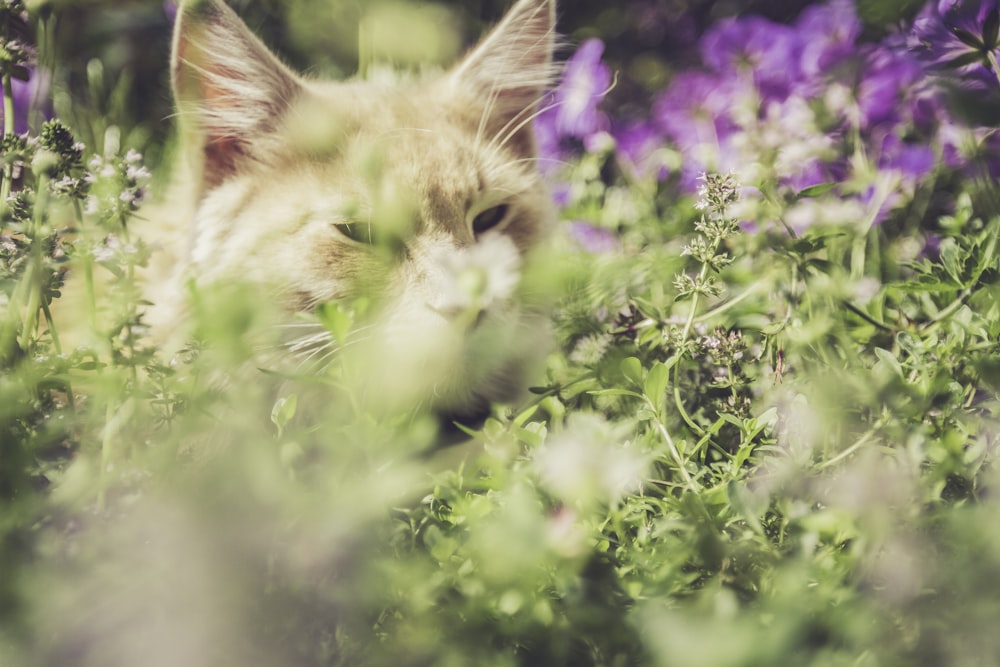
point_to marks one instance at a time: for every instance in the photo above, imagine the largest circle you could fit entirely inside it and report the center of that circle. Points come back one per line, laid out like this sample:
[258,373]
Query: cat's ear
[230,90]
[512,66]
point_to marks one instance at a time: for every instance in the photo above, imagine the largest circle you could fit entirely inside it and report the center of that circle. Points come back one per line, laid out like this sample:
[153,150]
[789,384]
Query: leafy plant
[766,435]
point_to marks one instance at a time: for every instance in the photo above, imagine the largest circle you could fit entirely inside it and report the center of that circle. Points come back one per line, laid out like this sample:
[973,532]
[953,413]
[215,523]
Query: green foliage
[746,449]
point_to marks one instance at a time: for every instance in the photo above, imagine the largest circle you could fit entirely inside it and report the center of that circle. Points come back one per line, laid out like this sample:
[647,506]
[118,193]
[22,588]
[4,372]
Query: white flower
[590,462]
[136,173]
[482,274]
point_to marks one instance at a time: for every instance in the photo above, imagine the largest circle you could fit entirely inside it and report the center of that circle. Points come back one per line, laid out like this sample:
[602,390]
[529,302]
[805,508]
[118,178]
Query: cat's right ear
[230,90]
[513,65]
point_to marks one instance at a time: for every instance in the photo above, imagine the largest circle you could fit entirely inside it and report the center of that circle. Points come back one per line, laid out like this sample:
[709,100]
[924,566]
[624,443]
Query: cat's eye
[489,218]
[356,231]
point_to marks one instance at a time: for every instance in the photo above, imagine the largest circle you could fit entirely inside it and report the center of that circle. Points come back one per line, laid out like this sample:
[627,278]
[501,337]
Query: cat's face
[420,195]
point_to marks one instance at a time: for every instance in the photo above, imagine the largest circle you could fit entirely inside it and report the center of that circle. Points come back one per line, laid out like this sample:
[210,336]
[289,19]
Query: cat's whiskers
[308,342]
[519,121]
[539,159]
[314,354]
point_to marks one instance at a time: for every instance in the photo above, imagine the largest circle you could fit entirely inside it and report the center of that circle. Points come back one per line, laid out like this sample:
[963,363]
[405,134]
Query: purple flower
[636,145]
[571,110]
[694,108]
[887,78]
[561,193]
[769,51]
[694,112]
[30,97]
[812,172]
[547,136]
[828,34]
[593,239]
[913,162]
[928,111]
[960,35]
[584,84]
[170,9]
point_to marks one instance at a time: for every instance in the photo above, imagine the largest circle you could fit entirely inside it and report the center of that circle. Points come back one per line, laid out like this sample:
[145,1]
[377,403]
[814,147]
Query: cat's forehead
[414,112]
[412,134]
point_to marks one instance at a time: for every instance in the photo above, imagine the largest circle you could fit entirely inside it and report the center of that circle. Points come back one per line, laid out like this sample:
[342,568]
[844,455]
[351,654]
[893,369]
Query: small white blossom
[482,274]
[591,461]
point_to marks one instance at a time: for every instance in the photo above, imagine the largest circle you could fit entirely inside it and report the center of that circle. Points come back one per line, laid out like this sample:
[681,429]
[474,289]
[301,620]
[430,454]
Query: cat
[421,195]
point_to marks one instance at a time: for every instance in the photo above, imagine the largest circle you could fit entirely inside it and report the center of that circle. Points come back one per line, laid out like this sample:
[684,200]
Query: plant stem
[674,452]
[994,65]
[8,129]
[88,273]
[35,275]
[8,104]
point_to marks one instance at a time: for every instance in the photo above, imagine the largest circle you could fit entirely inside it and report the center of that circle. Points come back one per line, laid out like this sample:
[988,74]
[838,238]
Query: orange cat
[421,195]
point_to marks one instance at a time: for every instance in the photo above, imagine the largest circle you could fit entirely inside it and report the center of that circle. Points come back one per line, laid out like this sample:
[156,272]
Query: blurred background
[111,56]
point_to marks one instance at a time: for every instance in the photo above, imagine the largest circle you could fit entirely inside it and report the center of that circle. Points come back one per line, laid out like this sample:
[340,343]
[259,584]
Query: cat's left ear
[512,66]
[230,90]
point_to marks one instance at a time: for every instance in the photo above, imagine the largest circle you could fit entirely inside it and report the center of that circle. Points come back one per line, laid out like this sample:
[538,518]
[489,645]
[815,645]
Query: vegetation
[766,433]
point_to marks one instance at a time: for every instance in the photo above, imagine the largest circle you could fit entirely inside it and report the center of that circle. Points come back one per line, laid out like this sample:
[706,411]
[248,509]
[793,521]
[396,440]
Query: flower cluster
[791,107]
[15,43]
[62,155]
[117,186]
[716,196]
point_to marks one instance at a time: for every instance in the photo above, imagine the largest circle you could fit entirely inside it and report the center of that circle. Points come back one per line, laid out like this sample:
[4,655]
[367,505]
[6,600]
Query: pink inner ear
[221,157]
[221,149]
[232,91]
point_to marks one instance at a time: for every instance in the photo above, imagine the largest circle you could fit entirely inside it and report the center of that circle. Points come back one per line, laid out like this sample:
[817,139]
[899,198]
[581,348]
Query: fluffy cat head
[422,195]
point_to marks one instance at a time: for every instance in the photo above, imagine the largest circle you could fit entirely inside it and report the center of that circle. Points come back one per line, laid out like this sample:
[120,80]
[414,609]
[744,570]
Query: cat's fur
[287,170]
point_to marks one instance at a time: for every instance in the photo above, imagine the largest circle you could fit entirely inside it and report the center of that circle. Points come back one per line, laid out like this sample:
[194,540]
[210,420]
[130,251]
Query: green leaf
[773,329]
[804,246]
[525,416]
[614,392]
[439,546]
[337,318]
[989,370]
[732,419]
[885,357]
[531,437]
[768,418]
[951,259]
[964,59]
[284,411]
[967,37]
[815,190]
[655,386]
[742,454]
[632,370]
